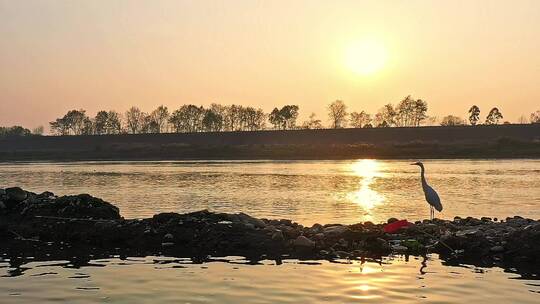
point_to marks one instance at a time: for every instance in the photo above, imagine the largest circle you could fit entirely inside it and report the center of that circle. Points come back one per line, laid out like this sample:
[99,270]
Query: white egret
[431,195]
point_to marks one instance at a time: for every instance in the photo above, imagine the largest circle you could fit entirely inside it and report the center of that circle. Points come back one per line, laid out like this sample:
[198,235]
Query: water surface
[235,280]
[305,191]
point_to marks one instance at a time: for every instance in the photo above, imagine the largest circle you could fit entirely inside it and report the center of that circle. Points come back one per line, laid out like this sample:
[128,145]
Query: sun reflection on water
[365,197]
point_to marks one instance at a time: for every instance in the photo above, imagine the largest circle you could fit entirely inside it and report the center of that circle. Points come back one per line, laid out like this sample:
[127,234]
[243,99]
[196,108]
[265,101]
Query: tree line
[408,112]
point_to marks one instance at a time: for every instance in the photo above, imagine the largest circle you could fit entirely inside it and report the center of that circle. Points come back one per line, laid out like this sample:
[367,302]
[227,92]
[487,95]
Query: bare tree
[134,120]
[160,117]
[535,117]
[337,112]
[212,121]
[410,112]
[38,130]
[359,120]
[100,122]
[522,119]
[312,122]
[386,117]
[114,123]
[452,120]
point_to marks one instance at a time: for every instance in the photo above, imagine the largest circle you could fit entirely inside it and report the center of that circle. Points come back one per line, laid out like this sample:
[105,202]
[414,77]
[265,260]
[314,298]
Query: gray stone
[304,242]
[251,220]
[335,231]
[399,248]
[278,236]
[2,205]
[167,244]
[496,249]
[469,232]
[168,237]
[16,194]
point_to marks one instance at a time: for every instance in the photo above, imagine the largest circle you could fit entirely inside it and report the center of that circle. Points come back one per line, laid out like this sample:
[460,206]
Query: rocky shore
[45,225]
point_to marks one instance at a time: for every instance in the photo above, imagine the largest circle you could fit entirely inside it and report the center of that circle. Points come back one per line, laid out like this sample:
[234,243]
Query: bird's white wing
[433,198]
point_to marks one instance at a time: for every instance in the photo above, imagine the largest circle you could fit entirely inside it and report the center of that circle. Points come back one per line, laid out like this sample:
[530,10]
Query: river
[305,191]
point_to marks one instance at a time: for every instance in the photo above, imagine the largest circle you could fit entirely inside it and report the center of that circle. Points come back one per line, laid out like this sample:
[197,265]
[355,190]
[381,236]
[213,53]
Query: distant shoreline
[470,142]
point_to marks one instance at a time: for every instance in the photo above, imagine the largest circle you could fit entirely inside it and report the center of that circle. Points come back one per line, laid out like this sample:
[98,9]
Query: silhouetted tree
[188,119]
[88,126]
[149,125]
[160,117]
[410,112]
[522,119]
[312,123]
[337,113]
[114,123]
[212,121]
[474,115]
[134,120]
[386,116]
[289,113]
[14,131]
[100,122]
[452,120]
[359,120]
[493,117]
[38,130]
[275,118]
[535,117]
[74,122]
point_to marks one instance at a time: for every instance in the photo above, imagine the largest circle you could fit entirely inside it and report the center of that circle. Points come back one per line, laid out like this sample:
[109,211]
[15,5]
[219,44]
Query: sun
[366,57]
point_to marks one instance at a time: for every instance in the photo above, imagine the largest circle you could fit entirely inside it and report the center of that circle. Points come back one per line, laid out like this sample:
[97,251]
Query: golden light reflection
[367,198]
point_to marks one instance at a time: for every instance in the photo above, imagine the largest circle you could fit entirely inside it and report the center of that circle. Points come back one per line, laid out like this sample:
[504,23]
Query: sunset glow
[366,57]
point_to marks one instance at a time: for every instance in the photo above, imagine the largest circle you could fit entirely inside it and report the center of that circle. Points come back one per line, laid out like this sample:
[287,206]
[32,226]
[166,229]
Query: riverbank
[500,141]
[45,225]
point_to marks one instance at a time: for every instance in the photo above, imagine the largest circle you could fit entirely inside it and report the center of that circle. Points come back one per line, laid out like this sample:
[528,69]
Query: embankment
[501,141]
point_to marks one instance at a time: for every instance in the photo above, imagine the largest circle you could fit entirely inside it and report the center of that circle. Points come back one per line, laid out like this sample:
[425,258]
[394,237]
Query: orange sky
[59,55]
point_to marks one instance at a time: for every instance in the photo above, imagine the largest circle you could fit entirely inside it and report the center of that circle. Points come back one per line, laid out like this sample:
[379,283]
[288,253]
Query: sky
[112,54]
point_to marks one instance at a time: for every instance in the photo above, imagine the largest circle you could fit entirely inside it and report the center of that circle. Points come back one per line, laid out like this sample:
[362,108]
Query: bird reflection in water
[365,197]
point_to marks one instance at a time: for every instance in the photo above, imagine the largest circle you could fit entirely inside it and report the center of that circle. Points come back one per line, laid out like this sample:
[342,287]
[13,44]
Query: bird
[431,195]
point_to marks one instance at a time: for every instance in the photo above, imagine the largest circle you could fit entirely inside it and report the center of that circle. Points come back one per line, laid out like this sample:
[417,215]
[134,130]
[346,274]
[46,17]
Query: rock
[14,196]
[316,228]
[72,206]
[378,246]
[304,242]
[2,205]
[289,232]
[278,236]
[168,237]
[249,226]
[496,249]
[2,192]
[392,220]
[251,220]
[334,231]
[167,244]
[399,248]
[468,232]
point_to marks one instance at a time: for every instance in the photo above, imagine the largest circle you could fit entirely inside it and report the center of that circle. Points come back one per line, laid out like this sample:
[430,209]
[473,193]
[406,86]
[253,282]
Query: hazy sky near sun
[112,54]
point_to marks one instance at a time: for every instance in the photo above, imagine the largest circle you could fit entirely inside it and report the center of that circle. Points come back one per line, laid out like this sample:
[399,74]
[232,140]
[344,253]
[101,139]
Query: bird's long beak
[413,164]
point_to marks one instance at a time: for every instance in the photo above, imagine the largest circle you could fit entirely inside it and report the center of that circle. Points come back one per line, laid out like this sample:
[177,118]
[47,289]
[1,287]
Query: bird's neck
[422,176]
